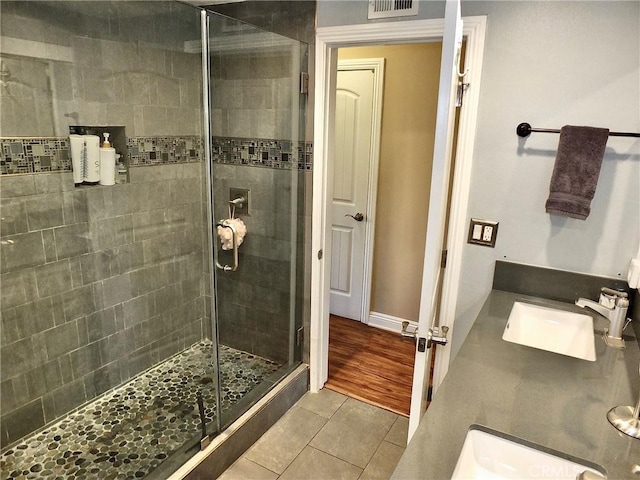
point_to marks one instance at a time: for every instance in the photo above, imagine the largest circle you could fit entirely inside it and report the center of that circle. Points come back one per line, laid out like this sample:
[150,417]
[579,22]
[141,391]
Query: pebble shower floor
[130,430]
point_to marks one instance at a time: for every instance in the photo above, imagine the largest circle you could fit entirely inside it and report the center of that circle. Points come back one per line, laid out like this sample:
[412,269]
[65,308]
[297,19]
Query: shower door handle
[234,237]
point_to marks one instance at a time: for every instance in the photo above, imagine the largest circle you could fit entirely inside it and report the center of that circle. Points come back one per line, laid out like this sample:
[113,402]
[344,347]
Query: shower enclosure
[130,334]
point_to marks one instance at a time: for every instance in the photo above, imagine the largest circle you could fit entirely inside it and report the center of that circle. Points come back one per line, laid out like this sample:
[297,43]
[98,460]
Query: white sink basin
[553,330]
[486,455]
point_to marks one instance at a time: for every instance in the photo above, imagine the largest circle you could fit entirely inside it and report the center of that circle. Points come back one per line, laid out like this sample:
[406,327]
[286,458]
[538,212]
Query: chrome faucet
[613,306]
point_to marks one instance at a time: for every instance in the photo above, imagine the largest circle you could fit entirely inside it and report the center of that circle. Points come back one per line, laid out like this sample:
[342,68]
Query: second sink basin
[545,328]
[487,454]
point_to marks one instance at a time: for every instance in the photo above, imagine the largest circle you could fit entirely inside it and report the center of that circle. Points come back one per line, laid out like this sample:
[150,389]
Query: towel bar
[524,130]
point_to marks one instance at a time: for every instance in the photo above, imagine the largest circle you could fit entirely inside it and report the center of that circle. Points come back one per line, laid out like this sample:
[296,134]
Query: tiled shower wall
[98,283]
[254,301]
[259,145]
[294,19]
[99,63]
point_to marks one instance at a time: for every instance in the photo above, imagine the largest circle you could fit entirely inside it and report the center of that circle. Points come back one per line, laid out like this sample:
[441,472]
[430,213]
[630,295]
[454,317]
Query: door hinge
[462,87]
[304,83]
[443,259]
[299,336]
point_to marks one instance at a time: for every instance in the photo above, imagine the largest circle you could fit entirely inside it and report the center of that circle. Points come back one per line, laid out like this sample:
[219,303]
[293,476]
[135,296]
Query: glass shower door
[257,166]
[105,343]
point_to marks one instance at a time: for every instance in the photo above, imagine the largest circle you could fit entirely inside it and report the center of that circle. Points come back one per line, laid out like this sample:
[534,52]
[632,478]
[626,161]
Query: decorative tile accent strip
[34,155]
[281,154]
[128,432]
[161,150]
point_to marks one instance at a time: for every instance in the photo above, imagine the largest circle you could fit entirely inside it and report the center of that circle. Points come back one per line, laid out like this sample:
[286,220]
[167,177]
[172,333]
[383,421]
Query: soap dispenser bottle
[107,162]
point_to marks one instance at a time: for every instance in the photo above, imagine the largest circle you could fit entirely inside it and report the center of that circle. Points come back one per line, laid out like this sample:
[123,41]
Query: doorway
[327,42]
[399,203]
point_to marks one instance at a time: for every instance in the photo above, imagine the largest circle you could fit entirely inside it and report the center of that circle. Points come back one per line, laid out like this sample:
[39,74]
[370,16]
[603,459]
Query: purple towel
[576,171]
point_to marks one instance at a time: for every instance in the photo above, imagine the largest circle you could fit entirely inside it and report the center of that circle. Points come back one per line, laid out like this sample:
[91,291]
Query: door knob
[358,217]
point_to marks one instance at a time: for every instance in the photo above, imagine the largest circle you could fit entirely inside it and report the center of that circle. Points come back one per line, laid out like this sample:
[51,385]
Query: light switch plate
[483,232]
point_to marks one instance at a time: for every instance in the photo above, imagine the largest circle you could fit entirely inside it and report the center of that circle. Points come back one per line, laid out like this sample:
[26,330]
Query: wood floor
[370,364]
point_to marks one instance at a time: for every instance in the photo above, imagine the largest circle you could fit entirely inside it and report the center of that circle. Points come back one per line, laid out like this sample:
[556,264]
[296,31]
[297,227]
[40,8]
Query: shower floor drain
[129,431]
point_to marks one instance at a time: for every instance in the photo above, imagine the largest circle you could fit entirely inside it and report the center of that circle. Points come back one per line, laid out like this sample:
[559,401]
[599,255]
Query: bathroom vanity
[551,400]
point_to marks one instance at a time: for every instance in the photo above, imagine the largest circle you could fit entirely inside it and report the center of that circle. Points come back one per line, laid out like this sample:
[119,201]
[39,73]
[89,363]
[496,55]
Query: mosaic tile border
[127,432]
[43,155]
[34,155]
[37,155]
[261,152]
[163,150]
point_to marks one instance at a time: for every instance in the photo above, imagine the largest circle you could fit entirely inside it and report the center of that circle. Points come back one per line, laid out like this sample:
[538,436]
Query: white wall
[548,64]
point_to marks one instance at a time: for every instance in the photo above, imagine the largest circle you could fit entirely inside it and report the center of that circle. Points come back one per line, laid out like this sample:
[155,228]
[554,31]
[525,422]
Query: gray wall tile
[24,420]
[68,397]
[85,360]
[79,302]
[21,251]
[17,186]
[35,317]
[17,358]
[14,217]
[101,324]
[43,379]
[44,211]
[7,401]
[20,389]
[72,240]
[96,266]
[49,244]
[60,340]
[148,224]
[116,290]
[53,278]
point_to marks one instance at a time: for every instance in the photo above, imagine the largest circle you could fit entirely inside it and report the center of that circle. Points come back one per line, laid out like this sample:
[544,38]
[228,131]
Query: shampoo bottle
[91,162]
[107,162]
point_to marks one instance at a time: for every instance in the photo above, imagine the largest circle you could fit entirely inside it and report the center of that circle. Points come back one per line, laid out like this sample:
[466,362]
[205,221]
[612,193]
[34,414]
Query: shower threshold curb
[240,435]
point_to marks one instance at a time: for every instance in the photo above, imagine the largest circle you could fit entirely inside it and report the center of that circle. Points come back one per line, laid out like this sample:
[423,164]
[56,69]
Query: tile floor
[326,435]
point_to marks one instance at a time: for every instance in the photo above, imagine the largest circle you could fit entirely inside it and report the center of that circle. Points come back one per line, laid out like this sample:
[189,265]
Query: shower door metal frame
[206,107]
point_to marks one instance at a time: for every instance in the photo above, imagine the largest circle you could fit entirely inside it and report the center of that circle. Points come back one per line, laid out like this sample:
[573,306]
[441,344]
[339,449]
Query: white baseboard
[388,322]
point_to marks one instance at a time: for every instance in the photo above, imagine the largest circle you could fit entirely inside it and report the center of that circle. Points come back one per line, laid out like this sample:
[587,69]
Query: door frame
[328,40]
[377,65]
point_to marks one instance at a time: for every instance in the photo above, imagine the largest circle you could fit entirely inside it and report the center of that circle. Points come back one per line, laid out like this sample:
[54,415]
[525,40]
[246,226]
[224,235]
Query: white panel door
[443,145]
[354,107]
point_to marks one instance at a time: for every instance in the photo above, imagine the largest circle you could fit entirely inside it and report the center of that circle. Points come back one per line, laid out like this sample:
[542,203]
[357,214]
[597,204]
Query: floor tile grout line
[256,463]
[324,423]
[346,461]
[305,445]
[308,444]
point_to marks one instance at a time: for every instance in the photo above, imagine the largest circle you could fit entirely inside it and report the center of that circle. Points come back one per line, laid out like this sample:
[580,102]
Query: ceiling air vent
[392,8]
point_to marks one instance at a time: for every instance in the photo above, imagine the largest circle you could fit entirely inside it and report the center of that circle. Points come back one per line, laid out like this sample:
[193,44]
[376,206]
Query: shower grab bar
[234,236]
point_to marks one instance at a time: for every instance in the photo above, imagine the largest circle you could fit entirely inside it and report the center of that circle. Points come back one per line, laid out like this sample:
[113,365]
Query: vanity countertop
[549,399]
